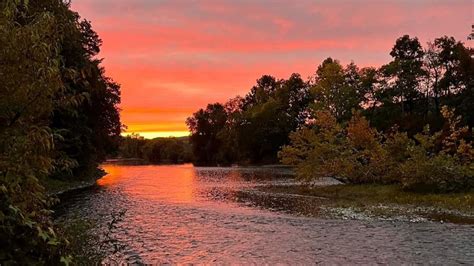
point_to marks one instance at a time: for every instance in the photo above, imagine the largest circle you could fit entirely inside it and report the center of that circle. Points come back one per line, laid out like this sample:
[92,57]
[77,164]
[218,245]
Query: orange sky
[173,57]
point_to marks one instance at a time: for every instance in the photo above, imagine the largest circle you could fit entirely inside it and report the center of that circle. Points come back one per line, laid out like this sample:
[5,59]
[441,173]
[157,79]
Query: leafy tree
[404,73]
[396,100]
[295,94]
[29,77]
[337,89]
[265,87]
[256,126]
[456,68]
[205,126]
[132,146]
[167,150]
[58,114]
[279,108]
[87,116]
[315,150]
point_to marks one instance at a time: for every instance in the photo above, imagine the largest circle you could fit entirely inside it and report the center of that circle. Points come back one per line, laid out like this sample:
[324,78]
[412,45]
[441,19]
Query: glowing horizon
[174,57]
[158,134]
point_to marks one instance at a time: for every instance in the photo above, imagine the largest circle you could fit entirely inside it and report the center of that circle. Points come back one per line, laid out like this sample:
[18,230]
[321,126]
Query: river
[186,214]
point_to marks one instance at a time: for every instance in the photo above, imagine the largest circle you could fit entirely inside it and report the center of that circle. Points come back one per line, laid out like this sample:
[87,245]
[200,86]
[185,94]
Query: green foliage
[337,89]
[132,146]
[250,129]
[29,77]
[38,40]
[205,126]
[441,162]
[168,150]
[85,112]
[404,73]
[401,96]
[357,153]
[352,154]
[158,150]
[316,151]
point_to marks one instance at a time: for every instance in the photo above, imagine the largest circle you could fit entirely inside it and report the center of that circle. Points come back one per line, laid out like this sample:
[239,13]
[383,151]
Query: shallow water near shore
[186,214]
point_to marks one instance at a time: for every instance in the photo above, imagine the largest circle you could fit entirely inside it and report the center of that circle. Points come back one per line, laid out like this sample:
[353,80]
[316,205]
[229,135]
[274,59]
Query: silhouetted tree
[405,72]
[205,126]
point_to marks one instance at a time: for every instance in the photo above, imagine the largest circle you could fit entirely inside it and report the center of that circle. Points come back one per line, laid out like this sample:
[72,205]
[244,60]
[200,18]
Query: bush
[435,162]
[316,152]
[440,162]
[438,173]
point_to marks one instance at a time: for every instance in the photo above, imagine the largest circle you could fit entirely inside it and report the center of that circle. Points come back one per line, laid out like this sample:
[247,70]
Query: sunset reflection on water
[166,183]
[217,215]
[178,183]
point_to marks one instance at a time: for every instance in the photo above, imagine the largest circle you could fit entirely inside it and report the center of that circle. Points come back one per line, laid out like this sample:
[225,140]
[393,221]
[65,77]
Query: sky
[174,57]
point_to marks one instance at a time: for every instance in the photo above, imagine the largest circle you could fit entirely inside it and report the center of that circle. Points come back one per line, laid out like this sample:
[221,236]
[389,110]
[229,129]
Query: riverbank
[370,202]
[150,214]
[57,186]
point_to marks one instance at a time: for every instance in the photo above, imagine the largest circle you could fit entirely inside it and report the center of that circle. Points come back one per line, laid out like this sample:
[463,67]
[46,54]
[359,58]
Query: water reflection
[183,214]
[165,183]
[185,183]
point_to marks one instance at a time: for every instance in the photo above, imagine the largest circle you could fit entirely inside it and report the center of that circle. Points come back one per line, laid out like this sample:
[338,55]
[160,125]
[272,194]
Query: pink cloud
[173,57]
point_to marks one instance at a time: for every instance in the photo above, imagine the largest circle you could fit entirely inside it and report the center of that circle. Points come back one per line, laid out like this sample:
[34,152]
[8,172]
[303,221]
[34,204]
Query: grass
[56,186]
[389,201]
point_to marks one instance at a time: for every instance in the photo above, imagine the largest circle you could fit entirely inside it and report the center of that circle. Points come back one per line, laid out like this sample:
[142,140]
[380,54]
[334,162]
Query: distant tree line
[403,95]
[156,151]
[58,119]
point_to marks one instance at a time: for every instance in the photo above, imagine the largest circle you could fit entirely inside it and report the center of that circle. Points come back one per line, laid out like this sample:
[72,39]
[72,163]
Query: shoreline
[74,187]
[334,200]
[364,202]
[57,187]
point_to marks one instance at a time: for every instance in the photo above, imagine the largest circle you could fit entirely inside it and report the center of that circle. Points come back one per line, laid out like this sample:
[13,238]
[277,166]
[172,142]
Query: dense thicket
[157,151]
[357,153]
[58,118]
[407,93]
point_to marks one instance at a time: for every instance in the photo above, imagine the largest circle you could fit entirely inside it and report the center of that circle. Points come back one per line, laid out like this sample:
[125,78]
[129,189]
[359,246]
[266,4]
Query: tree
[314,150]
[278,108]
[87,116]
[132,146]
[336,89]
[58,114]
[265,87]
[456,68]
[205,126]
[29,77]
[405,72]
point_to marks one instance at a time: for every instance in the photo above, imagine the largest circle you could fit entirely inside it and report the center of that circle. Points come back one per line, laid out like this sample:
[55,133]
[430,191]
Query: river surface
[186,214]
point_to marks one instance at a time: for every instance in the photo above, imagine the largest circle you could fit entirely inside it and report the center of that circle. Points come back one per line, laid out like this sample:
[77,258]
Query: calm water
[184,214]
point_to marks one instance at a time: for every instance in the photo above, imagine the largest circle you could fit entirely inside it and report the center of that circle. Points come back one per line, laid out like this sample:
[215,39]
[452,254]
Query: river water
[186,214]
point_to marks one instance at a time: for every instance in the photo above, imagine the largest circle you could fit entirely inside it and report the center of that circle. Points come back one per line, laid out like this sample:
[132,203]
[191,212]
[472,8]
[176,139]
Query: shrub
[435,162]
[446,168]
[316,152]
[437,173]
[352,155]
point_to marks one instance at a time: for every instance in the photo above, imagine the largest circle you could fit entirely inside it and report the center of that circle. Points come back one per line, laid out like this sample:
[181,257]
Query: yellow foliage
[360,134]
[359,154]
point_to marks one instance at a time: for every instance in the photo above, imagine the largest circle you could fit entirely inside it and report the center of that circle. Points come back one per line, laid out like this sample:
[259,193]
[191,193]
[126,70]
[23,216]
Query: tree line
[404,95]
[156,151]
[58,119]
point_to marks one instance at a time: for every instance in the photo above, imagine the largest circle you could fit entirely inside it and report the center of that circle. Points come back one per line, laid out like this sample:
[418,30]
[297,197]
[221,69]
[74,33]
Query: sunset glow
[174,57]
